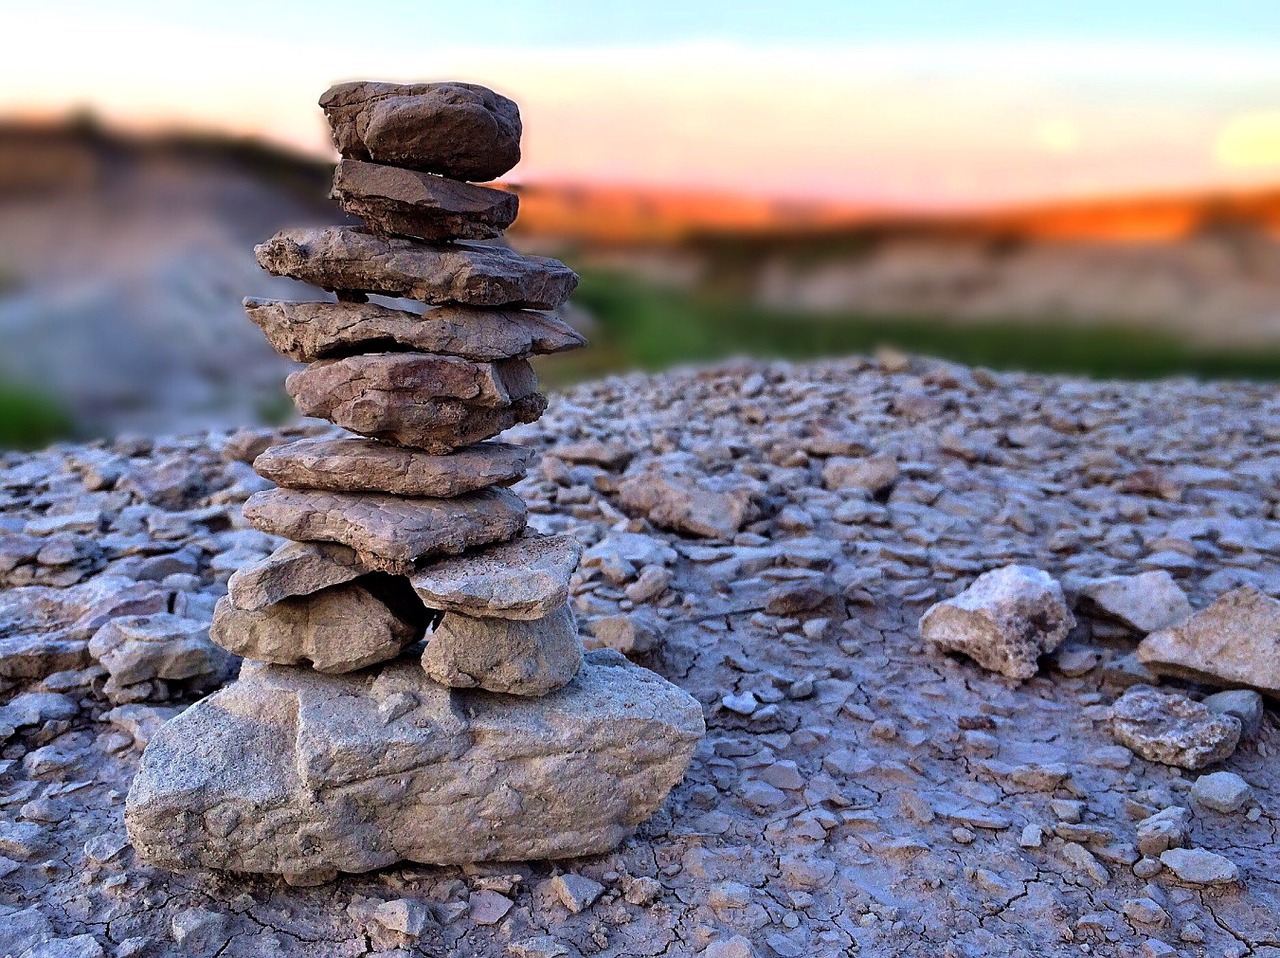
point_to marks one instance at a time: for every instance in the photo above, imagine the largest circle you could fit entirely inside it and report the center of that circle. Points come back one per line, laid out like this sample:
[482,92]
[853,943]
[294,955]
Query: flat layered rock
[517,657]
[437,427]
[522,579]
[367,465]
[1234,642]
[389,533]
[354,260]
[310,331]
[1004,621]
[402,202]
[338,629]
[291,772]
[296,568]
[376,380]
[1144,602]
[460,130]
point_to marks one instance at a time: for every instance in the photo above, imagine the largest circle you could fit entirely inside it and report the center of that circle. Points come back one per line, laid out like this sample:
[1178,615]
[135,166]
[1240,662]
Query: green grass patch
[648,327]
[31,420]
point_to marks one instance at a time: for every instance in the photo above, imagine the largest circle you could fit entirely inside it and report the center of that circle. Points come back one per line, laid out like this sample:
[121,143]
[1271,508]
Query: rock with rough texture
[1172,729]
[311,331]
[525,578]
[337,629]
[390,533]
[403,202]
[1234,642]
[1244,704]
[461,130]
[1196,866]
[296,568]
[393,401]
[635,634]
[291,772]
[1004,621]
[1144,602]
[344,258]
[1224,792]
[515,656]
[344,387]
[698,505]
[367,465]
[136,648]
[875,474]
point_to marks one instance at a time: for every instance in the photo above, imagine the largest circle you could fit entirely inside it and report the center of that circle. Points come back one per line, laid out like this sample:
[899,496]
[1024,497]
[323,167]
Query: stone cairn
[345,744]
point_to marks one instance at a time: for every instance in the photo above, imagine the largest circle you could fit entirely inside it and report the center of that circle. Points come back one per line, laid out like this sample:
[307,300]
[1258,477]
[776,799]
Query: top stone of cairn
[459,130]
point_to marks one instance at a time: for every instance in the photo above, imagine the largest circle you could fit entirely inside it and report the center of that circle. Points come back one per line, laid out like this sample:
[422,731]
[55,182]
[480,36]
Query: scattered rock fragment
[1170,728]
[1244,704]
[1234,642]
[1224,792]
[1004,621]
[1196,866]
[1144,602]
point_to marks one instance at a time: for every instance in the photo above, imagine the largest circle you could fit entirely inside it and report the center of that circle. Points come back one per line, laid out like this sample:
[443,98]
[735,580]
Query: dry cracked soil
[856,794]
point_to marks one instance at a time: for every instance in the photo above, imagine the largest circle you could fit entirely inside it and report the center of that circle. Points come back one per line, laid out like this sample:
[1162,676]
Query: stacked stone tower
[348,744]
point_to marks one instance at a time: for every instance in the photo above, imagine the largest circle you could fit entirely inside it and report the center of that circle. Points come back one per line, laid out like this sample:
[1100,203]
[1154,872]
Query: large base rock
[291,772]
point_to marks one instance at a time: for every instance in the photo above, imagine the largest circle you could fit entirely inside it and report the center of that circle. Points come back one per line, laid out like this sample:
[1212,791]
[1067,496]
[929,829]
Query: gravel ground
[857,792]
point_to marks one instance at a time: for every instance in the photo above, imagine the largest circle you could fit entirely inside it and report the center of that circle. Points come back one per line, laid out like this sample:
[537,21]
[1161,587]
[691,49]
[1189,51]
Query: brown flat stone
[389,533]
[391,199]
[337,629]
[460,130]
[311,331]
[354,260]
[409,377]
[367,465]
[392,397]
[296,568]
[525,578]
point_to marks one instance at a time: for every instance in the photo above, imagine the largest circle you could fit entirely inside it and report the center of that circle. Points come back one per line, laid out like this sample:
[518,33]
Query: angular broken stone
[435,426]
[699,505]
[1234,642]
[515,656]
[296,568]
[460,130]
[291,771]
[310,331]
[136,648]
[382,379]
[336,629]
[367,465]
[522,579]
[1170,728]
[353,260]
[1004,621]
[1144,602]
[403,202]
[389,533]
[1198,866]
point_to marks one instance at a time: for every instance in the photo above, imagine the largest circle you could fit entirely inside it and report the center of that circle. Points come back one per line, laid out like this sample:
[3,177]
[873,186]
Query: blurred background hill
[1098,194]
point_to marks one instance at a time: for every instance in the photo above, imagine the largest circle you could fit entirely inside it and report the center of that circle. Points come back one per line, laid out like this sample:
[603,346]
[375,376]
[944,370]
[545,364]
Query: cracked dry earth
[856,793]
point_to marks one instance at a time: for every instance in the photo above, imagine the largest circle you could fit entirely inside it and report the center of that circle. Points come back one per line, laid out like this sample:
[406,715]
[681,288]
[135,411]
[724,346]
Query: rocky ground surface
[774,534]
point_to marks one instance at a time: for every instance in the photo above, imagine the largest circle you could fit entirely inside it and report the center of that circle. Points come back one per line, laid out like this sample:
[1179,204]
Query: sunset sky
[903,104]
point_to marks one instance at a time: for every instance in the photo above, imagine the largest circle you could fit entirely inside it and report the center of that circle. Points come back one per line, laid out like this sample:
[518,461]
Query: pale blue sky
[559,23]
[904,103]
